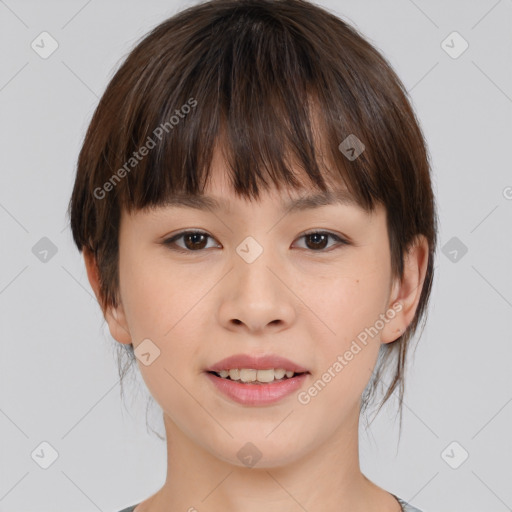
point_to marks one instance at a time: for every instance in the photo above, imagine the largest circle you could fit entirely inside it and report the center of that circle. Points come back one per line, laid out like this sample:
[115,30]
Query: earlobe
[395,326]
[118,327]
[114,316]
[407,292]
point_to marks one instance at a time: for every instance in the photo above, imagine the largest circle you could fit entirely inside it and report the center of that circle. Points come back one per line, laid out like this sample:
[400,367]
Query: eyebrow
[310,202]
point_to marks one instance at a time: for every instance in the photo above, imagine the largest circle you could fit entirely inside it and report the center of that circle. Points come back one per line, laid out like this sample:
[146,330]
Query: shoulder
[405,506]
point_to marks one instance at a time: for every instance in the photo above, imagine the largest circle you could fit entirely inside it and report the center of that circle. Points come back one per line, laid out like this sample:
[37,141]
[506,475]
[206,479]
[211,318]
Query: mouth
[256,380]
[257,388]
[256,377]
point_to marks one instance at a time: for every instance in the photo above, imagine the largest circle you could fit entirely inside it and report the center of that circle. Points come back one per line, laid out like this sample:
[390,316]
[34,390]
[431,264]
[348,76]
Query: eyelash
[171,241]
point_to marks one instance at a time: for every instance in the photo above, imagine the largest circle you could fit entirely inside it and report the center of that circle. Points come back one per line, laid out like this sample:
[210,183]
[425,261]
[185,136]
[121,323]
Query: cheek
[158,304]
[352,298]
[154,296]
[351,306]
[162,303]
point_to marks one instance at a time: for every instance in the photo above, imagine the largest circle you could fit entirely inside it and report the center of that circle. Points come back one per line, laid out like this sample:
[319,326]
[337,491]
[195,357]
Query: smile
[257,376]
[252,389]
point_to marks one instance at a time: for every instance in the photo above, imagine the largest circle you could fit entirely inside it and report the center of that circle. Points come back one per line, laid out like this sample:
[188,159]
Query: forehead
[219,196]
[286,201]
[219,193]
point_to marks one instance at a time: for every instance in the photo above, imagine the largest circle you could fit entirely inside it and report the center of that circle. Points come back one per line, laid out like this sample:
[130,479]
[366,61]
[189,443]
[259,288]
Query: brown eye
[193,241]
[196,241]
[317,240]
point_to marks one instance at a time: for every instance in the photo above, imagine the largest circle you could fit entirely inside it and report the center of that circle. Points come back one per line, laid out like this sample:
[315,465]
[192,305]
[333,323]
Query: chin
[258,451]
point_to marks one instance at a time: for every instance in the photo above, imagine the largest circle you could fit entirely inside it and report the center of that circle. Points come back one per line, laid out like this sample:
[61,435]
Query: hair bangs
[254,92]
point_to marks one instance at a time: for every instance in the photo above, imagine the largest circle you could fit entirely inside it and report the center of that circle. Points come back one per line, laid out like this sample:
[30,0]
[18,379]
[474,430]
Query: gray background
[58,377]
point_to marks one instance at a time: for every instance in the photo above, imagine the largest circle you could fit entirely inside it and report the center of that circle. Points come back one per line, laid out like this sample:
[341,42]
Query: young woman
[254,205]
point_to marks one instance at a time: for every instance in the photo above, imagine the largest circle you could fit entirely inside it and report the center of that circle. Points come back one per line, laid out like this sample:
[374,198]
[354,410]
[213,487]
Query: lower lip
[257,394]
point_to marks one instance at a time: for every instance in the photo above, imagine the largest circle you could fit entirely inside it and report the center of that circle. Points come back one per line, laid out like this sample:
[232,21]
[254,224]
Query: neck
[326,477]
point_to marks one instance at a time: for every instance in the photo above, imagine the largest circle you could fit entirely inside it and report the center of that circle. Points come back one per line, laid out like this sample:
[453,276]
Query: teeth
[248,375]
[265,375]
[252,375]
[279,373]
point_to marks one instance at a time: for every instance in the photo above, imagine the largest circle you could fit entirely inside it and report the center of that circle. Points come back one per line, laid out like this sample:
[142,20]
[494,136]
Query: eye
[195,241]
[318,240]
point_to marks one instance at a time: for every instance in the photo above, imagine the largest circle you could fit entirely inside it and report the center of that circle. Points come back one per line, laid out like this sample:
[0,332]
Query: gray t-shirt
[405,506]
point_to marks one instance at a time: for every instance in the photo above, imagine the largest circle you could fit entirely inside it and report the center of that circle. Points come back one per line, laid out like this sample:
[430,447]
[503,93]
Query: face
[309,285]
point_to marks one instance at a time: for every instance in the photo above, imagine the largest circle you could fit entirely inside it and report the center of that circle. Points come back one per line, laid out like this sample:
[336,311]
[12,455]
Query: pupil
[315,236]
[194,244]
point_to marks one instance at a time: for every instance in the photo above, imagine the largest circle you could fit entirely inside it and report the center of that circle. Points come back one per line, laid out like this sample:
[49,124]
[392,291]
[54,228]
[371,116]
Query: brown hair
[274,83]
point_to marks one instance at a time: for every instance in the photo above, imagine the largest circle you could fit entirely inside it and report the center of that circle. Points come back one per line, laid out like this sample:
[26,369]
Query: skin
[299,299]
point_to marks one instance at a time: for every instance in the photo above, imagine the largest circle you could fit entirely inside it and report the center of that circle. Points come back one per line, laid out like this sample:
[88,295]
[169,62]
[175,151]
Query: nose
[256,296]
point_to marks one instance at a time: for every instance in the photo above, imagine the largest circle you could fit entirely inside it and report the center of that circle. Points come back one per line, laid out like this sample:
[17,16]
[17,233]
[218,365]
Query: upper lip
[256,362]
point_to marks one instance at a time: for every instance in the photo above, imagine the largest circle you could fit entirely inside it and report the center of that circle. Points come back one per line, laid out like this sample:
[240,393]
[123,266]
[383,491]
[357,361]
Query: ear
[405,294]
[115,317]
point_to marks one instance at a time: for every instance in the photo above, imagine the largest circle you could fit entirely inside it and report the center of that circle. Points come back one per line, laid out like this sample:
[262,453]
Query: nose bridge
[258,297]
[252,266]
